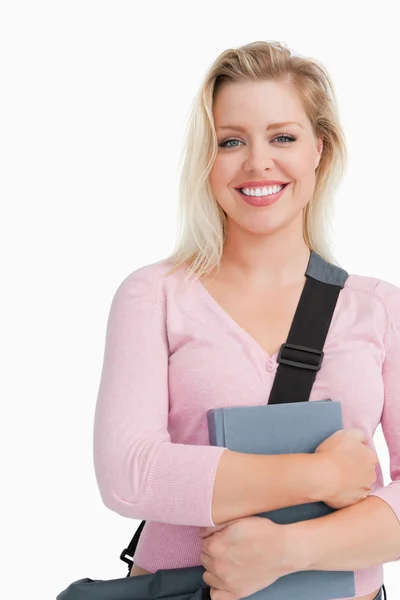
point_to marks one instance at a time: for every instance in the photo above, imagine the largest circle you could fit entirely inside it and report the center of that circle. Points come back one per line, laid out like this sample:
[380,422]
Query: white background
[93,104]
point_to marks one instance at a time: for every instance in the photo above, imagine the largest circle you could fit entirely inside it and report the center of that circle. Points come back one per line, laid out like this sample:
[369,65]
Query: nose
[259,157]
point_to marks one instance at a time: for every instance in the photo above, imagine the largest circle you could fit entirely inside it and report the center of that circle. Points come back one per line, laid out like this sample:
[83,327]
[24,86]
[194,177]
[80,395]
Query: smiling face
[262,151]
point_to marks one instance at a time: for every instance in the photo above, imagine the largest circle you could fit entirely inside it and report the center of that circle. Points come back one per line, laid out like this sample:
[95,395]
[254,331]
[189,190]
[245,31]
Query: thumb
[206,531]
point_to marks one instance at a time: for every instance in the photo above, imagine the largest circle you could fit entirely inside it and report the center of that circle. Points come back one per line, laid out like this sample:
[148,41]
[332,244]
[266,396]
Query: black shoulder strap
[301,356]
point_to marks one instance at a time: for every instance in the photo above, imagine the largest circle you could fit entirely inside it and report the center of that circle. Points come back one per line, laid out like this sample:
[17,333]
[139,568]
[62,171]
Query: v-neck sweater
[172,353]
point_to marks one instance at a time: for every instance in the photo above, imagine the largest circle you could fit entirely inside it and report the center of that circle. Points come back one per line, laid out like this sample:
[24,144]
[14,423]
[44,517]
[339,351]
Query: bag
[169,584]
[299,360]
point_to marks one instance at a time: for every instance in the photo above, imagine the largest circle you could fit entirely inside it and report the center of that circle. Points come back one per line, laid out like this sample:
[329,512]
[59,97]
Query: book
[286,428]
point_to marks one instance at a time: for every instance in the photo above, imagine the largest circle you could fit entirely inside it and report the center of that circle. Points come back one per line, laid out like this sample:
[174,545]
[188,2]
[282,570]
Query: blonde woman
[202,329]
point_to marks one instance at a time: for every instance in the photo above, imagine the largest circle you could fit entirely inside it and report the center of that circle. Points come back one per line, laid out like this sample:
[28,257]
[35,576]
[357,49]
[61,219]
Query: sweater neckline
[233,324]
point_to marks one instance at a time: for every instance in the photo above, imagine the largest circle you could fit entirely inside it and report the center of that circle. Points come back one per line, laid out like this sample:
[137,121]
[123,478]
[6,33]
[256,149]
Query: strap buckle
[302,365]
[124,557]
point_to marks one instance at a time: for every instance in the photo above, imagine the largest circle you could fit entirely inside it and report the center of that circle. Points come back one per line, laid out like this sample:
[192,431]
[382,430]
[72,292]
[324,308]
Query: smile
[263,200]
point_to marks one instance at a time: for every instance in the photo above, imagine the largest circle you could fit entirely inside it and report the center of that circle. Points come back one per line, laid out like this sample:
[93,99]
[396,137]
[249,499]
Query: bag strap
[128,553]
[300,357]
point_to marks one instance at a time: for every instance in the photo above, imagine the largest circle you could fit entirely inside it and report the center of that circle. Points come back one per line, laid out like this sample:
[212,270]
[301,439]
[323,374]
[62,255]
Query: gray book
[296,427]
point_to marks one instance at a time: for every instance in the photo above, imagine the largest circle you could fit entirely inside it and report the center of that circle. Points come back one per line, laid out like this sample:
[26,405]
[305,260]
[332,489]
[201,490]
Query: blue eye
[223,144]
[287,138]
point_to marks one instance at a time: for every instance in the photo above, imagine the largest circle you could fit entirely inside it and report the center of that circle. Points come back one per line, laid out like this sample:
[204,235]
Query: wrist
[299,546]
[321,478]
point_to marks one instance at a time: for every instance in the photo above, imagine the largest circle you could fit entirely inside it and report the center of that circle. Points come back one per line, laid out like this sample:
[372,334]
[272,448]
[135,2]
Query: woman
[202,329]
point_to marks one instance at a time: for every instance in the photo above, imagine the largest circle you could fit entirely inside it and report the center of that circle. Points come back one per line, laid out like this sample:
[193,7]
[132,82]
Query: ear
[319,152]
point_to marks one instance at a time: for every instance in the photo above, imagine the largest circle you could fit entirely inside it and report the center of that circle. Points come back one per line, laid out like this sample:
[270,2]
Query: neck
[279,259]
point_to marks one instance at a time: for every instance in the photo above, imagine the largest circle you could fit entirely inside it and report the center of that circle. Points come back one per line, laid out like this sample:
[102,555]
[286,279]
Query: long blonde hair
[202,222]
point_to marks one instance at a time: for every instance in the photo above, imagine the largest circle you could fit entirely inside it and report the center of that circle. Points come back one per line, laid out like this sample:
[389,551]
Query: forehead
[261,102]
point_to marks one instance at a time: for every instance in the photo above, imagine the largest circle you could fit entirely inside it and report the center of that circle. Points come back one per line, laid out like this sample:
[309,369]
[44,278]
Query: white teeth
[265,191]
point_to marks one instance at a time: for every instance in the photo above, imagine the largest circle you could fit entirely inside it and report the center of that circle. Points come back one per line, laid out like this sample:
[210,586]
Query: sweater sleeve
[390,420]
[140,473]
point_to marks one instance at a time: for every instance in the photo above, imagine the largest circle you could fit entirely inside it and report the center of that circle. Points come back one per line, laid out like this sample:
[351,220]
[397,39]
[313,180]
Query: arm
[140,473]
[247,484]
[357,537]
[367,533]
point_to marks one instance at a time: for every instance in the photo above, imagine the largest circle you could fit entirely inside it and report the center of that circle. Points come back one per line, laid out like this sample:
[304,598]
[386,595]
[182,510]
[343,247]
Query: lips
[260,201]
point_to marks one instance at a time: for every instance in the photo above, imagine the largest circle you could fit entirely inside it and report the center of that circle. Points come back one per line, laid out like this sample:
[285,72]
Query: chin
[261,228]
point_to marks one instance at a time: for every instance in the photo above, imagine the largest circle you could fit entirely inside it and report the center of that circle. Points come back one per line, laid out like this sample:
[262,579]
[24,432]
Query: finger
[212,580]
[206,561]
[206,531]
[213,594]
[216,594]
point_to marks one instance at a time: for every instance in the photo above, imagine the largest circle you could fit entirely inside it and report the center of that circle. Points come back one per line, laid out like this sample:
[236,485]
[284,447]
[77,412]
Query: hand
[351,467]
[243,556]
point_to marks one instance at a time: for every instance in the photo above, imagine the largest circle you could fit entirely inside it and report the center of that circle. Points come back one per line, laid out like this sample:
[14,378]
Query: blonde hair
[202,222]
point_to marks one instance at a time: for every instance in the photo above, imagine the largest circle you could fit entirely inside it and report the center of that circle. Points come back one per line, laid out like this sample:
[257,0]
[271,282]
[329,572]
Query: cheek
[305,165]
[223,171]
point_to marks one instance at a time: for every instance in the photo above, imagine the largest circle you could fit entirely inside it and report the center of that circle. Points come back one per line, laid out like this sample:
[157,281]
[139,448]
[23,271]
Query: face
[263,151]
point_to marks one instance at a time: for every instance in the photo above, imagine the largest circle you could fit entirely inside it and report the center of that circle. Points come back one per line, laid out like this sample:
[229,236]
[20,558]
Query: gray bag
[185,583]
[168,584]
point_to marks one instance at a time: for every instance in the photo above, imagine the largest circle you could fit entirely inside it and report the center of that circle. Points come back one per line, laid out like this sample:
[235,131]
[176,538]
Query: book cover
[287,428]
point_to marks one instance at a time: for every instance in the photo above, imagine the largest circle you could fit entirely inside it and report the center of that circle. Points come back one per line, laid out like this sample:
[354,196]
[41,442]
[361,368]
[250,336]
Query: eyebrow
[271,126]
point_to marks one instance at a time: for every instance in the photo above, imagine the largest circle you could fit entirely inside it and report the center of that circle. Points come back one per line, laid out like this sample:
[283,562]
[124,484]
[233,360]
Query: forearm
[248,484]
[356,537]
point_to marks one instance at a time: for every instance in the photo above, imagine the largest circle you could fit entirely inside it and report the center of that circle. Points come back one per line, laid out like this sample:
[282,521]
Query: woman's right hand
[351,467]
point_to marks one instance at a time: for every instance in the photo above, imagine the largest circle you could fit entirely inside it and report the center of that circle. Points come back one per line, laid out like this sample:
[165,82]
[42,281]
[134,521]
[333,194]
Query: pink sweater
[172,353]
